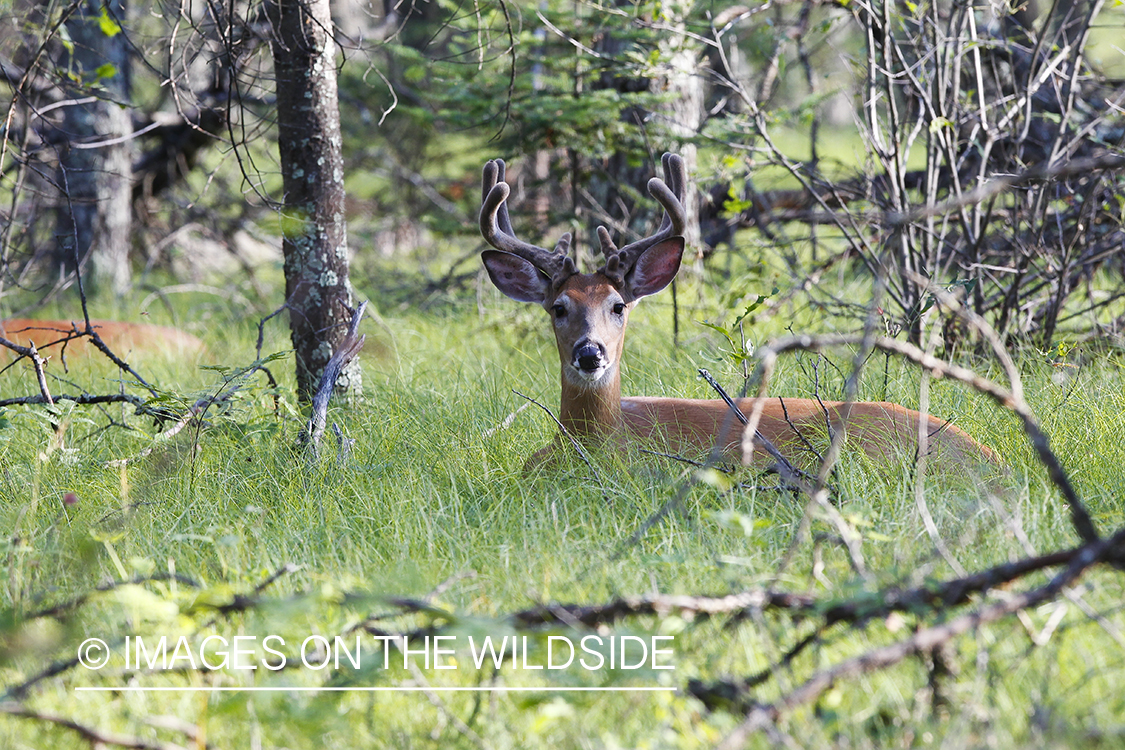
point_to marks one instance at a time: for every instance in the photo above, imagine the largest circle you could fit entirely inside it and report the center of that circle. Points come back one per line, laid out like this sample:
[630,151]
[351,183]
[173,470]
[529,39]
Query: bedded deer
[589,314]
[122,337]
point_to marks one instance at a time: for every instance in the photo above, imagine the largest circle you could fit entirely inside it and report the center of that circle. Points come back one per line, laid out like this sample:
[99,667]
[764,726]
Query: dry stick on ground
[929,596]
[344,354]
[168,434]
[762,717]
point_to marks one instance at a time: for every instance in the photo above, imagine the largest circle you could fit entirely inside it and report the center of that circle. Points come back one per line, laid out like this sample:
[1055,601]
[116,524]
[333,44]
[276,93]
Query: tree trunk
[315,234]
[670,127]
[685,85]
[95,163]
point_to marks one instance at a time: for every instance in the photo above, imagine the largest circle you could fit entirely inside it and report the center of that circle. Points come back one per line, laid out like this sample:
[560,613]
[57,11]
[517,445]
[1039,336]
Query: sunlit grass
[433,490]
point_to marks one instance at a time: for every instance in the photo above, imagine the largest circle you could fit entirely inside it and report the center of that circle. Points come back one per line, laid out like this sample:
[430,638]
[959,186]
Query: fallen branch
[64,607]
[95,737]
[763,716]
[347,350]
[865,607]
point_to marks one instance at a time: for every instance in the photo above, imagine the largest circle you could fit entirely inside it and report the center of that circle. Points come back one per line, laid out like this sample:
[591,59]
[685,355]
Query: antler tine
[496,225]
[675,177]
[671,224]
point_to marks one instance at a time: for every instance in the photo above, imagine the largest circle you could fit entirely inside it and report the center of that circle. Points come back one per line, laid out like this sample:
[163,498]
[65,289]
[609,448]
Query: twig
[788,472]
[347,350]
[1013,402]
[95,737]
[573,441]
[78,601]
[85,398]
[171,432]
[935,596]
[242,602]
[41,376]
[925,640]
[506,422]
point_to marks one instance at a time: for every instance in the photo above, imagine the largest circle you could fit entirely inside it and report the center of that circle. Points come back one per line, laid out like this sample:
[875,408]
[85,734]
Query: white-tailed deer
[122,337]
[589,313]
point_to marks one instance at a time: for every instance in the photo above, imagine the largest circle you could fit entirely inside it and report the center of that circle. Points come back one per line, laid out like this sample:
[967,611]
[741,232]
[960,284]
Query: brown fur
[122,337]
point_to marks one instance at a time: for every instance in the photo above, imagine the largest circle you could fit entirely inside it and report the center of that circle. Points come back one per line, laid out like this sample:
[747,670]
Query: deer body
[122,337]
[887,432]
[590,312]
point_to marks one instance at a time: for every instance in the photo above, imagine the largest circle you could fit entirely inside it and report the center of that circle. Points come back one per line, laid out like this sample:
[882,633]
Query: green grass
[430,494]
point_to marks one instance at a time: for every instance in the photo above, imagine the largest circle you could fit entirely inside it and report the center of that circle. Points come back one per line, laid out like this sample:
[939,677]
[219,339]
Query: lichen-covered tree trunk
[315,240]
[95,162]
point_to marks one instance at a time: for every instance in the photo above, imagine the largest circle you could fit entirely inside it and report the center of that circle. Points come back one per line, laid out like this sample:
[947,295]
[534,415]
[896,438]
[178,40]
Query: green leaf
[108,26]
[105,70]
[714,478]
[940,122]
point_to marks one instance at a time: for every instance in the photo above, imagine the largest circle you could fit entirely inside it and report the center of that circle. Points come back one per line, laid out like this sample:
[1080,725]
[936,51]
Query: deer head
[589,312]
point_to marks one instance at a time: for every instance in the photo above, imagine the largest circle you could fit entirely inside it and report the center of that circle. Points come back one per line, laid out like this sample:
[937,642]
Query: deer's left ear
[656,267]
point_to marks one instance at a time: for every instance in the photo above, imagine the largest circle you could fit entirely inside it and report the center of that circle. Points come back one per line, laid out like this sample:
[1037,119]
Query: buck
[589,314]
[122,337]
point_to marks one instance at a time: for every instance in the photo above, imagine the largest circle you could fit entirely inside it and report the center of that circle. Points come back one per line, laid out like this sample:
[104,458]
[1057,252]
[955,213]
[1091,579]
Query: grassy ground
[433,492]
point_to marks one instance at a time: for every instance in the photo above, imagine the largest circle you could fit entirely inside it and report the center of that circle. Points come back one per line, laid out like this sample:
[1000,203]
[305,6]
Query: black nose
[589,357]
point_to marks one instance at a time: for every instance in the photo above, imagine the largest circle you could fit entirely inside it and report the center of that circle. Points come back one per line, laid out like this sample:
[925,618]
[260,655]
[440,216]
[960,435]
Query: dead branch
[345,353]
[95,737]
[71,604]
[931,596]
[790,474]
[1013,402]
[763,716]
[243,602]
[87,398]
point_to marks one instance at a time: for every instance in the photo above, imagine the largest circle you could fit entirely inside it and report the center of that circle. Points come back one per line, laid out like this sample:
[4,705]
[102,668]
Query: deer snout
[589,357]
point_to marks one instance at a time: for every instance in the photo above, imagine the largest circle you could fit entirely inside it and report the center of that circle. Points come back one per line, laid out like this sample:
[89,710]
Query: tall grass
[434,490]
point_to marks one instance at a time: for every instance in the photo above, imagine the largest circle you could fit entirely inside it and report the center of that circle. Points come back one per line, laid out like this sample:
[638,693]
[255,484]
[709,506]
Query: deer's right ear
[515,277]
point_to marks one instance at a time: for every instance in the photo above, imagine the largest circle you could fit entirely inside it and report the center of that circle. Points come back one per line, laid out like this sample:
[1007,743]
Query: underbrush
[429,527]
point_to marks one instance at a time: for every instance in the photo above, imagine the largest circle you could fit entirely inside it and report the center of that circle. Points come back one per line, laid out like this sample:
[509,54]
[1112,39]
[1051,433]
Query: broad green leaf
[108,26]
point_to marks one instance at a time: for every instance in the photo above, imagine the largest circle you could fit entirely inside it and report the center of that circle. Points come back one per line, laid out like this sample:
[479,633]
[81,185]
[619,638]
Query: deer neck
[592,412]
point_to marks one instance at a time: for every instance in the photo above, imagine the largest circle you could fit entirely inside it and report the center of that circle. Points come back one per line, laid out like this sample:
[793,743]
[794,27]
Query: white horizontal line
[406,689]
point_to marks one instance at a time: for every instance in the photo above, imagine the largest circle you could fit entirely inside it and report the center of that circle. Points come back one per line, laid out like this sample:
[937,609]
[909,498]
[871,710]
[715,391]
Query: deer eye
[619,308]
[558,311]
